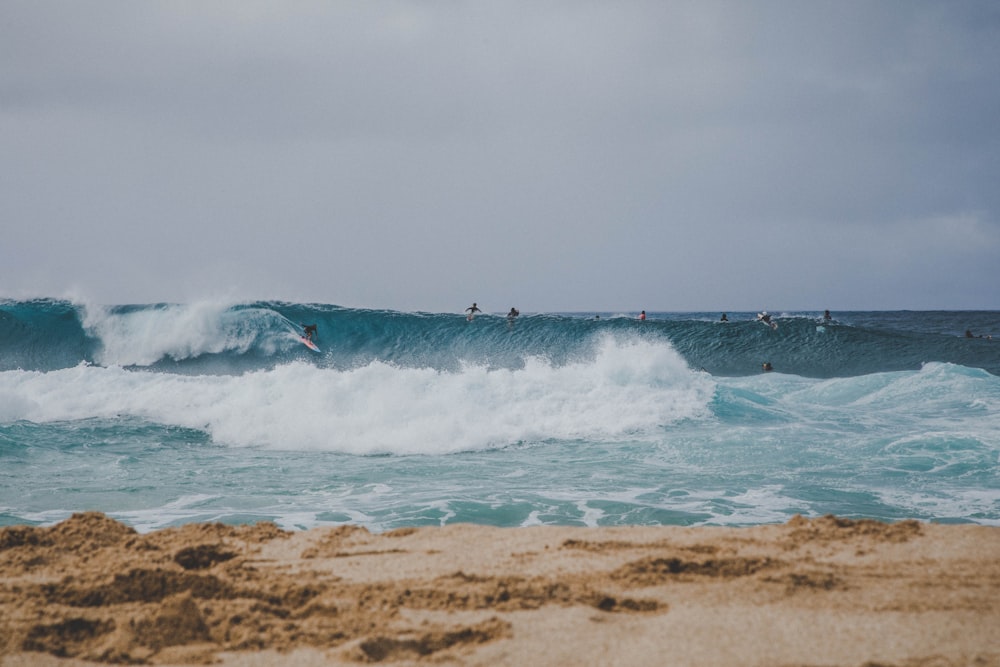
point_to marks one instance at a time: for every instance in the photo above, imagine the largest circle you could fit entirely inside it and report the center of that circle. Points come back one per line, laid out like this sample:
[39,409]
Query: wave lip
[131,336]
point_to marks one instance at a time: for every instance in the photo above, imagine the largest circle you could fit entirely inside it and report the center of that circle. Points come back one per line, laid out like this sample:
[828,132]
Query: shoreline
[825,591]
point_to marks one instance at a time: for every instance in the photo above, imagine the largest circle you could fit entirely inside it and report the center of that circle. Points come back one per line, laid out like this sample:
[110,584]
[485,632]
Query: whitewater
[164,414]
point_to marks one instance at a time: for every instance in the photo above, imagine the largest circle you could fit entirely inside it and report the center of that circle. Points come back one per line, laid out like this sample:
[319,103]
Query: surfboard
[308,343]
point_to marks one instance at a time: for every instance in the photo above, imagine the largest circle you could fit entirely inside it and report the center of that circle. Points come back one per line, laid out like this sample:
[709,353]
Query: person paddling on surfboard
[472,310]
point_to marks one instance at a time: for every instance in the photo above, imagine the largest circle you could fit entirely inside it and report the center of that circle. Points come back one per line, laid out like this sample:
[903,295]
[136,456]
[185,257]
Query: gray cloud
[557,156]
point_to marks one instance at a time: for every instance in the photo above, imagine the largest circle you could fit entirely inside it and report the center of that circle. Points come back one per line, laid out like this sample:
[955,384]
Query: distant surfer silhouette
[766,319]
[514,312]
[642,315]
[766,366]
[723,318]
[472,310]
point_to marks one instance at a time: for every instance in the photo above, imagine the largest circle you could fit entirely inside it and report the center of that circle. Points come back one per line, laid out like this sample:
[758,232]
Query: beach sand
[818,592]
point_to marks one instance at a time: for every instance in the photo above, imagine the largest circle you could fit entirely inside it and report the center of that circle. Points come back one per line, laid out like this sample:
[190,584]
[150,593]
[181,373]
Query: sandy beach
[818,592]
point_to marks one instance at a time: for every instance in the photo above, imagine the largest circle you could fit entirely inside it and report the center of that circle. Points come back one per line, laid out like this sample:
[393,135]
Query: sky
[553,155]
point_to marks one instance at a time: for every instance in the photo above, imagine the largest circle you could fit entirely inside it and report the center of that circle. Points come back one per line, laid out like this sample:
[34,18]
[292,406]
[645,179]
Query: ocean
[166,414]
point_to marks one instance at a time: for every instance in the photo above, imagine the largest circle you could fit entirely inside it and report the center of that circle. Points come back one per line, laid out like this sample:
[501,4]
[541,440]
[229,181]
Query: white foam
[765,504]
[532,519]
[631,388]
[591,515]
[177,331]
[968,504]
[181,510]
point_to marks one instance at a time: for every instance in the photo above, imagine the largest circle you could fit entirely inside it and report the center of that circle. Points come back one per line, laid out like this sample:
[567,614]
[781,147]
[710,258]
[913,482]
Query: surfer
[826,315]
[642,315]
[766,319]
[766,366]
[309,330]
[723,318]
[472,310]
[514,312]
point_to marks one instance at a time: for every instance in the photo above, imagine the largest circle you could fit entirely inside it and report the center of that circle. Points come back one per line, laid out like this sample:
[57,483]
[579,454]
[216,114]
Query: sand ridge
[825,591]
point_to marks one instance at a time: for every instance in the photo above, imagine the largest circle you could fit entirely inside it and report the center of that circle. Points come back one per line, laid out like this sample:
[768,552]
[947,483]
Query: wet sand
[821,592]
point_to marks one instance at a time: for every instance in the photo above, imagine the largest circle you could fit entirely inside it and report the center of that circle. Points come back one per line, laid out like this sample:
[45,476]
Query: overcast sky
[554,156]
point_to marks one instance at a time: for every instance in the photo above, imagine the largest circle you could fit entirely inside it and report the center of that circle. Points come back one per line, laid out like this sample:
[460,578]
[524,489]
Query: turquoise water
[166,414]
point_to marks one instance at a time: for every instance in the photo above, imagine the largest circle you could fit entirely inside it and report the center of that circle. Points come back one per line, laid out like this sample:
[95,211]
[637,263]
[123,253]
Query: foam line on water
[631,387]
